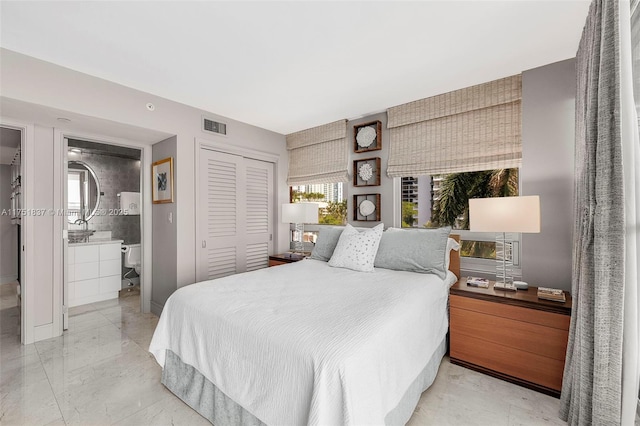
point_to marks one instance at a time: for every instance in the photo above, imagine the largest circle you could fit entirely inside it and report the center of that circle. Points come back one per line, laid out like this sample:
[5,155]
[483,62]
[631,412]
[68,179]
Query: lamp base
[504,286]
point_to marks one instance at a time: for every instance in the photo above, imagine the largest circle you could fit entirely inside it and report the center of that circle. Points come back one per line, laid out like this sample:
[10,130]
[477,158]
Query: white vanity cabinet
[94,271]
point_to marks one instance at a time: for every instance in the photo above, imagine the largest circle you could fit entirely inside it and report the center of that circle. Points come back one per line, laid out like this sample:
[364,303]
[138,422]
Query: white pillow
[451,245]
[357,250]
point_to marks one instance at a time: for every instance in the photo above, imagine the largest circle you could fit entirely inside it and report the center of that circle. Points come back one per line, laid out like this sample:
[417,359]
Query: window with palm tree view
[332,205]
[443,200]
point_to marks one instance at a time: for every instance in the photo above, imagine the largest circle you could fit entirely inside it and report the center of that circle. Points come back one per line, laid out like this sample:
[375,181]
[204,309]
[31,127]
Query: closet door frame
[224,148]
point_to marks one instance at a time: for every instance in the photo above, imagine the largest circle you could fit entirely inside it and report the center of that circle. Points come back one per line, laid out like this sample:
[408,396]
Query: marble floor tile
[30,404]
[86,321]
[168,411]
[100,372]
[519,417]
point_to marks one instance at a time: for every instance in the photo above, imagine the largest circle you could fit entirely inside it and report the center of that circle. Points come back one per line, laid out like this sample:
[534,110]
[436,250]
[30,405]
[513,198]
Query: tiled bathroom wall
[115,174]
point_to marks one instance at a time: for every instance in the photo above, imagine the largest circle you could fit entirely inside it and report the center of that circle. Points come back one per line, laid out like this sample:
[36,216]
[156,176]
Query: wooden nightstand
[281,259]
[511,335]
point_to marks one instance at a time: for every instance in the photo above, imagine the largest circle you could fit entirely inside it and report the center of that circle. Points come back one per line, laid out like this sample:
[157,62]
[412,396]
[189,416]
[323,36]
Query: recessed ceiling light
[63,120]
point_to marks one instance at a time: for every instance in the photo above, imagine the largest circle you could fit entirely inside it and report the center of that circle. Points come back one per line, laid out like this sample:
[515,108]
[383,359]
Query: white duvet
[305,343]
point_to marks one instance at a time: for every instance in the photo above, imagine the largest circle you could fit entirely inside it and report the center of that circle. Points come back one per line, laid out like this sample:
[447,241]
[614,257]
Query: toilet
[132,257]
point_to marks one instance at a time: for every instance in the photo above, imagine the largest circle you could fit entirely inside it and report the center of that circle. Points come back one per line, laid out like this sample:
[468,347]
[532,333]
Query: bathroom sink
[80,235]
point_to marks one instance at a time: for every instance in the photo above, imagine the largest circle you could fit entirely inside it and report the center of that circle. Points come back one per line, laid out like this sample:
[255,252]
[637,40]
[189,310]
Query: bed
[305,343]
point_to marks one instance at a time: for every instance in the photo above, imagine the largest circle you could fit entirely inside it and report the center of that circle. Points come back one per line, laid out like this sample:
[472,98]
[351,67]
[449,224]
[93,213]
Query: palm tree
[452,208]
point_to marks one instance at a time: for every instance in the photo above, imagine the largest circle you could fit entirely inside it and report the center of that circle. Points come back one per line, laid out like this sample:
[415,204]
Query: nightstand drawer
[276,262]
[533,368]
[547,319]
[525,336]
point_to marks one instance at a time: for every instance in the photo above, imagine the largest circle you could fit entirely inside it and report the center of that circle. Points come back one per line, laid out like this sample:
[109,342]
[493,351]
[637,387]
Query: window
[441,200]
[332,206]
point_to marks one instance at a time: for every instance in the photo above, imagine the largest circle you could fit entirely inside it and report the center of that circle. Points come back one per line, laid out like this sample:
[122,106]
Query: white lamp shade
[300,213]
[505,214]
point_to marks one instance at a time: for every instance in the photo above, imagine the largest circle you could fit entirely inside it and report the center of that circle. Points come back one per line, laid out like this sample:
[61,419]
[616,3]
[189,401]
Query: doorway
[104,223]
[11,231]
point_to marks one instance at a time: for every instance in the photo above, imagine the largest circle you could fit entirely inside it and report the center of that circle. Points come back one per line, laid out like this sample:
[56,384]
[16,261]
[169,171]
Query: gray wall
[165,235]
[548,133]
[115,175]
[8,232]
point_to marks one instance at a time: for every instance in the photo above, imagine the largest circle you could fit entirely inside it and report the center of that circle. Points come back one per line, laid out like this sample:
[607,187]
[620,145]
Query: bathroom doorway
[11,231]
[104,224]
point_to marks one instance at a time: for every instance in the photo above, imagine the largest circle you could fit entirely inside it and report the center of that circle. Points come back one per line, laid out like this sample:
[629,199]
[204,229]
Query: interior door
[236,214]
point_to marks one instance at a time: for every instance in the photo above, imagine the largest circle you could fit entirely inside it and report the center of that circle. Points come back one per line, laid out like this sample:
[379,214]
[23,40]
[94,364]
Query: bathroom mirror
[83,191]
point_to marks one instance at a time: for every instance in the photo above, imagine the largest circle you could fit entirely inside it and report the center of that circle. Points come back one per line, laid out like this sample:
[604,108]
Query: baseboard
[156,308]
[6,279]
[43,332]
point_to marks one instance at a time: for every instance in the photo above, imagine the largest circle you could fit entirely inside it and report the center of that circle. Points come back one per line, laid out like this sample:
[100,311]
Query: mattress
[305,343]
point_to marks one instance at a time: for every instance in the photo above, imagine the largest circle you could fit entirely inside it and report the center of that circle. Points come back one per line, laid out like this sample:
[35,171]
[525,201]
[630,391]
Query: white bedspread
[305,343]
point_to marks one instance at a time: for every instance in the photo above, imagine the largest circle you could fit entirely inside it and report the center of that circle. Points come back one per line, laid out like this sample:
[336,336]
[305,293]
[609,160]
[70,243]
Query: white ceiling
[288,66]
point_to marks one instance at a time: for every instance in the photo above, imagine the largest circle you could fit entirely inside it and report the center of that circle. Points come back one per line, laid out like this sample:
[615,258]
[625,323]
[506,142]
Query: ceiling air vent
[211,126]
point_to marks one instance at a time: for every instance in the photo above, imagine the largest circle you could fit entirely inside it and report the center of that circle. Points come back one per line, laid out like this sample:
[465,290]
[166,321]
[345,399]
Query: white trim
[397,206]
[43,332]
[146,226]
[59,189]
[224,147]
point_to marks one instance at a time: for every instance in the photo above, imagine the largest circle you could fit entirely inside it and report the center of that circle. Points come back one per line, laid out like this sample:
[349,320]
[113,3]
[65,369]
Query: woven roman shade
[471,129]
[319,155]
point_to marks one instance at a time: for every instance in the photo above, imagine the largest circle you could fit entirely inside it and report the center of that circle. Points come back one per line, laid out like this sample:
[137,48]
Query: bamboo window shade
[319,155]
[471,129]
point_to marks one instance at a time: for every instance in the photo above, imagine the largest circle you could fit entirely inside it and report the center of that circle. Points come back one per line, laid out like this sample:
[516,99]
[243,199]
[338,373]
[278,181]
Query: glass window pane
[478,249]
[332,203]
[441,200]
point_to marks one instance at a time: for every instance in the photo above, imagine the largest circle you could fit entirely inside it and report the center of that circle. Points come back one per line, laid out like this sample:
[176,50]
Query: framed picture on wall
[368,136]
[162,181]
[366,172]
[366,207]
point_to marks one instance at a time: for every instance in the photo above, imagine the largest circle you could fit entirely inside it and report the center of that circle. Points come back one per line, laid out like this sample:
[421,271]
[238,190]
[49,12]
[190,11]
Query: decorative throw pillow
[415,250]
[357,250]
[325,245]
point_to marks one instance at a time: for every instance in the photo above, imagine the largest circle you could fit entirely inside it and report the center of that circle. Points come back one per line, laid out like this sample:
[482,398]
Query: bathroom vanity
[94,271]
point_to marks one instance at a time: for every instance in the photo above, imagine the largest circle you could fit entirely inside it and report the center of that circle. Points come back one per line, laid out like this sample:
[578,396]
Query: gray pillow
[415,250]
[326,243]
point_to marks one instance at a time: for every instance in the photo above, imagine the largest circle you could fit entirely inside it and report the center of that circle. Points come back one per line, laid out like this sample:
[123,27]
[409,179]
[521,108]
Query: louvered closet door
[258,212]
[236,203]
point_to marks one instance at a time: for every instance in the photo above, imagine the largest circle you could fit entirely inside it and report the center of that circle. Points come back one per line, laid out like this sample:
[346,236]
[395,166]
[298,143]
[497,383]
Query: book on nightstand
[554,294]
[477,282]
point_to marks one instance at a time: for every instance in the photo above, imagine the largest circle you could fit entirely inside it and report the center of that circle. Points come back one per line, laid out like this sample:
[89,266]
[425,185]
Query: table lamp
[505,216]
[299,214]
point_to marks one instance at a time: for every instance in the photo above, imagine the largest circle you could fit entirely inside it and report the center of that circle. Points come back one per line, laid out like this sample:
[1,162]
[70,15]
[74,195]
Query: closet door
[258,213]
[236,214]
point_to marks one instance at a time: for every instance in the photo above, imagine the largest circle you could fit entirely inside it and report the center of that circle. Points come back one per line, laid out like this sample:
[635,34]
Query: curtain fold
[471,129]
[319,155]
[605,226]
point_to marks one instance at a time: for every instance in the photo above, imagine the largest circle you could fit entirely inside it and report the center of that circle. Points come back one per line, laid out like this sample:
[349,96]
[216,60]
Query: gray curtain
[591,390]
